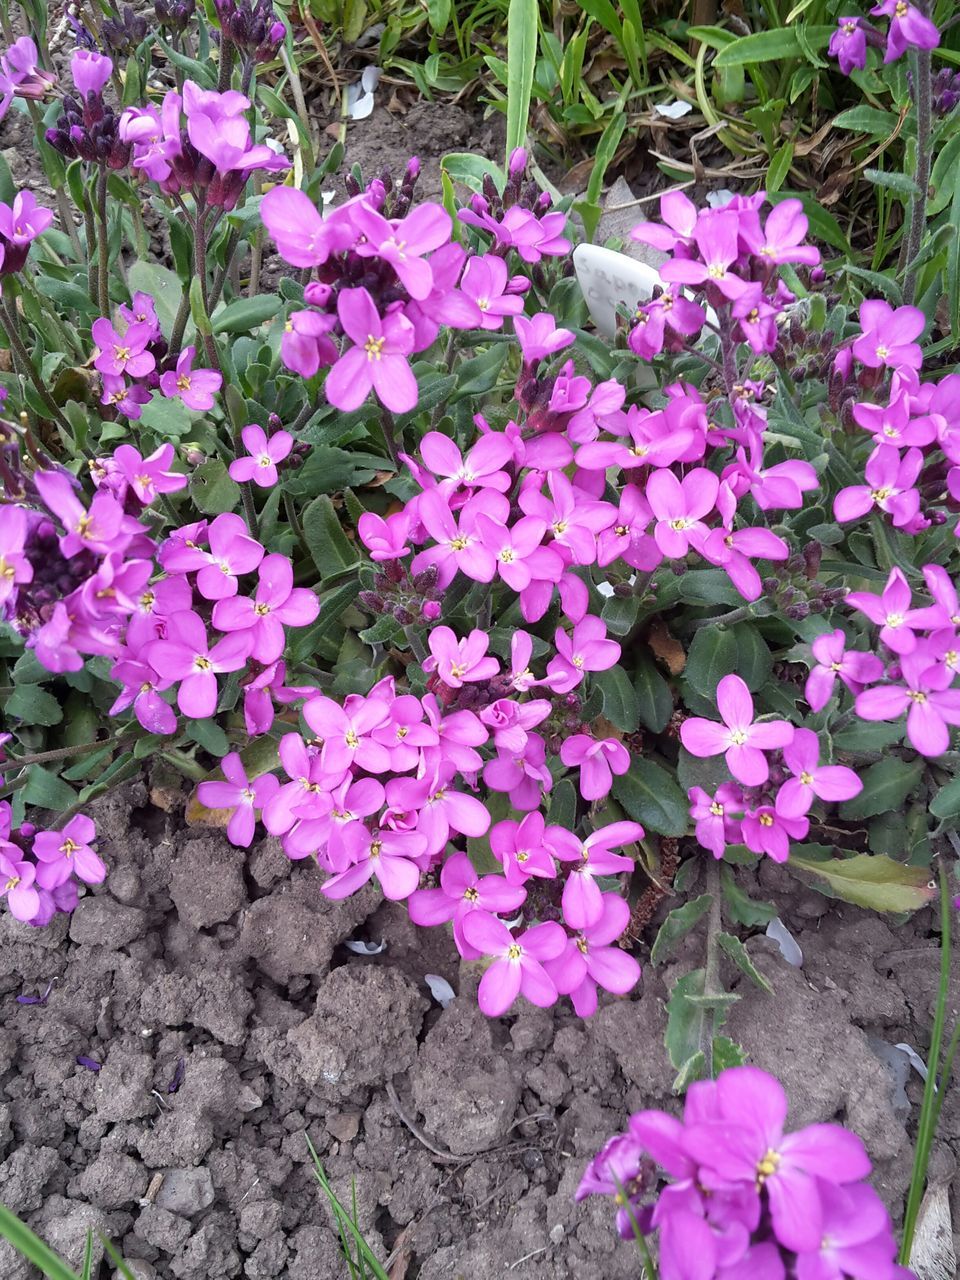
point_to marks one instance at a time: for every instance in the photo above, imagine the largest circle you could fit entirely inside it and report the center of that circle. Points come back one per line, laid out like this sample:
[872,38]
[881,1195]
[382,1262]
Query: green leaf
[777,45]
[864,119]
[779,167]
[166,417]
[33,705]
[726,1053]
[163,285]
[47,791]
[246,313]
[620,704]
[678,924]
[212,489]
[563,805]
[712,655]
[946,803]
[478,376]
[740,906]
[522,25]
[886,786]
[31,1247]
[654,699]
[870,880]
[738,954]
[651,797]
[329,546]
[695,1068]
[470,170]
[892,181]
[209,735]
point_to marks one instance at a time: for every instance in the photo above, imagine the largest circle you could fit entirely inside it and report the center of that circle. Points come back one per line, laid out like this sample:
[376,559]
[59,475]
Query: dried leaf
[198,815]
[667,648]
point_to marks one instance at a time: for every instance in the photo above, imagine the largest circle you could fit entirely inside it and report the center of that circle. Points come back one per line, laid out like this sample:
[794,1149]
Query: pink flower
[15,568]
[539,336]
[767,829]
[517,552]
[141,690]
[261,466]
[277,604]
[887,334]
[403,243]
[96,530]
[195,387]
[385,539]
[461,892]
[524,775]
[908,28]
[241,795]
[63,853]
[889,488]
[185,655]
[582,900]
[522,849]
[925,695]
[346,732]
[232,552]
[127,398]
[830,783]
[24,220]
[458,662]
[90,71]
[481,468]
[848,45]
[306,344]
[518,965]
[891,611]
[679,507]
[714,825]
[585,649]
[832,659]
[382,853]
[485,281]
[741,740]
[17,880]
[442,809]
[123,354]
[857,1239]
[783,233]
[679,219]
[573,523]
[378,360]
[717,239]
[598,761]
[589,961]
[148,477]
[303,238]
[460,544]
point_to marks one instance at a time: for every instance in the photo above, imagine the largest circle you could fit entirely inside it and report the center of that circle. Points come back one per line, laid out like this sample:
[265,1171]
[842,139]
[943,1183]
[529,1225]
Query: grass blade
[522,23]
[366,1259]
[31,1247]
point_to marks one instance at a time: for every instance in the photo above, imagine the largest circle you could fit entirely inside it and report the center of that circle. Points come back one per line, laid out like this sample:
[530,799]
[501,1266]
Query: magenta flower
[277,604]
[855,669]
[17,885]
[518,965]
[185,655]
[403,243]
[887,335]
[195,387]
[485,280]
[378,358]
[517,551]
[67,852]
[811,780]
[945,612]
[460,544]
[346,732]
[783,233]
[891,611]
[90,71]
[24,220]
[678,216]
[889,487]
[925,695]
[892,424]
[232,552]
[909,28]
[240,794]
[385,539]
[857,1240]
[848,45]
[481,468]
[539,336]
[306,344]
[302,236]
[767,829]
[382,853]
[141,691]
[742,741]
[96,530]
[582,900]
[442,810]
[123,354]
[15,568]
[126,398]
[261,466]
[148,477]
[679,507]
[458,662]
[522,849]
[745,1146]
[573,523]
[714,823]
[584,649]
[589,961]
[597,761]
[461,892]
[716,236]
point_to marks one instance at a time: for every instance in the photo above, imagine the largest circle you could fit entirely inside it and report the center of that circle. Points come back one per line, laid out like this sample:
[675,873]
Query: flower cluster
[88,127]
[909,28]
[39,870]
[729,256]
[766,807]
[21,222]
[733,1195]
[130,356]
[21,75]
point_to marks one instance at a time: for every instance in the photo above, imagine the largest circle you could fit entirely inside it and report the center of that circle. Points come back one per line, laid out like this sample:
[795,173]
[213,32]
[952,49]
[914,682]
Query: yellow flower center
[202,663]
[767,1167]
[471,895]
[11,884]
[459,543]
[880,495]
[374,347]
[514,952]
[806,778]
[122,353]
[183,382]
[351,739]
[716,809]
[261,610]
[738,737]
[68,848]
[766,820]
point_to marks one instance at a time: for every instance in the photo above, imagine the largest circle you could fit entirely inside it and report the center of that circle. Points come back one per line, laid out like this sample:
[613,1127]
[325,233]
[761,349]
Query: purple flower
[462,891]
[518,965]
[95,530]
[141,690]
[24,220]
[239,794]
[186,655]
[148,477]
[848,45]
[458,661]
[522,849]
[887,335]
[16,885]
[679,507]
[741,740]
[925,695]
[195,387]
[598,761]
[303,238]
[90,71]
[126,398]
[278,603]
[715,827]
[539,336]
[63,853]
[908,28]
[589,961]
[261,466]
[767,829]
[378,360]
[783,233]
[346,731]
[891,611]
[678,216]
[582,900]
[830,783]
[889,488]
[385,539]
[15,568]
[388,855]
[306,344]
[403,243]
[855,669]
[857,1240]
[584,649]
[485,280]
[123,353]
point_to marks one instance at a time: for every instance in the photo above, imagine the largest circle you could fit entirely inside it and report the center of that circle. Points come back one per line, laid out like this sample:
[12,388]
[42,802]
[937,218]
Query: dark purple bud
[90,1063]
[176,1080]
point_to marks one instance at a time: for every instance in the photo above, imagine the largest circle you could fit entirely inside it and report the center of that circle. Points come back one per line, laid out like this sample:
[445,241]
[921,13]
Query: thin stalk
[226,66]
[739,614]
[90,226]
[415,641]
[64,753]
[256,247]
[220,278]
[711,972]
[103,284]
[930,1107]
[13,336]
[303,417]
[388,426]
[922,67]
[179,326]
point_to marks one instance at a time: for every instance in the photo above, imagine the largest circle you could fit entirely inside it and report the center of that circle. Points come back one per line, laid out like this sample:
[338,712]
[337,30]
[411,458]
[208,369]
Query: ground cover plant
[342,508]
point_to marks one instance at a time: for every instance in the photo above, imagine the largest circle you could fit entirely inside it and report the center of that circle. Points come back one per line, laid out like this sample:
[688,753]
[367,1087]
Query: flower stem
[711,972]
[13,337]
[922,67]
[103,284]
[390,437]
[179,326]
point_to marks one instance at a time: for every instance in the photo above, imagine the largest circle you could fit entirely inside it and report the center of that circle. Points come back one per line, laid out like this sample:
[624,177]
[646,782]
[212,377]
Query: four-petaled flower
[741,739]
